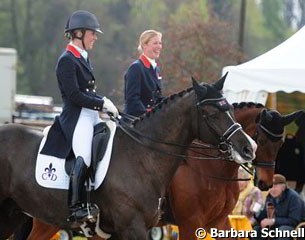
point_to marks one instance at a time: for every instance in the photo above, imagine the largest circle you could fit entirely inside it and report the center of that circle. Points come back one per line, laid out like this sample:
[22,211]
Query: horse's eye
[213,116]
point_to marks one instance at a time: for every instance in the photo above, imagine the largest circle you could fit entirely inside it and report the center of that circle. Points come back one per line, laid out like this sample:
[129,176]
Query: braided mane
[247,105]
[160,105]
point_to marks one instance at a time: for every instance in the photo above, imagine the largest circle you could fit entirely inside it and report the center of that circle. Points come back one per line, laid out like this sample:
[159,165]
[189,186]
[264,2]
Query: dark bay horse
[202,194]
[250,115]
[140,171]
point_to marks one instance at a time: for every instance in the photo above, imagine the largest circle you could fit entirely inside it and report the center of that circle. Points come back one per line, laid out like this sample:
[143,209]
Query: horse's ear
[300,121]
[287,119]
[219,84]
[199,89]
[194,81]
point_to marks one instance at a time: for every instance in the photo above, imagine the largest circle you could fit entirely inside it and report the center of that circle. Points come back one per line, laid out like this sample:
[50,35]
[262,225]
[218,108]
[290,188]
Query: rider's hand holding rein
[109,107]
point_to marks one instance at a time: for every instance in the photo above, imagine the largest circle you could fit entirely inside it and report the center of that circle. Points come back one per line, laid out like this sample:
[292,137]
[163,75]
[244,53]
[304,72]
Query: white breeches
[83,134]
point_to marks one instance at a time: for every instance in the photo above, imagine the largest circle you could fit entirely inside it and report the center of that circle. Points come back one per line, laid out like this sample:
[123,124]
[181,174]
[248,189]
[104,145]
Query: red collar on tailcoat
[73,50]
[145,61]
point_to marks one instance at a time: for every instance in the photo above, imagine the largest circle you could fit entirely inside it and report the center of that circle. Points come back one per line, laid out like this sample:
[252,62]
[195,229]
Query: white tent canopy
[280,69]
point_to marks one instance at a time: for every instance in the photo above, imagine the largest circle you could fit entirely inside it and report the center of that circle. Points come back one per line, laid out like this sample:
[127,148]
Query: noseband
[263,164]
[225,145]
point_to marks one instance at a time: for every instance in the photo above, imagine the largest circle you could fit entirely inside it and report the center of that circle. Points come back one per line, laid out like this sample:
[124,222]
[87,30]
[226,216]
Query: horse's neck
[171,123]
[230,169]
[246,117]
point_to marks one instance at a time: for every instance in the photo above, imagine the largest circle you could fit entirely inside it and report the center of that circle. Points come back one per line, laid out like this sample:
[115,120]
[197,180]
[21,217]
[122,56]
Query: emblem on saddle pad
[49,173]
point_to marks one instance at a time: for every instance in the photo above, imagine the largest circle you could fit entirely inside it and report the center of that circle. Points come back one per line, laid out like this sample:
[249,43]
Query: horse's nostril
[263,186]
[248,152]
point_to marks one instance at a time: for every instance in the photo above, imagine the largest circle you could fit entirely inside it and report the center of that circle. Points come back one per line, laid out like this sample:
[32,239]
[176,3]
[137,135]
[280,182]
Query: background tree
[201,51]
[200,37]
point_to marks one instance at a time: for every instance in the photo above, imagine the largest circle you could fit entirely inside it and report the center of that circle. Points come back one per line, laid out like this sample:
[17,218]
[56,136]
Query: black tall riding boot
[78,210]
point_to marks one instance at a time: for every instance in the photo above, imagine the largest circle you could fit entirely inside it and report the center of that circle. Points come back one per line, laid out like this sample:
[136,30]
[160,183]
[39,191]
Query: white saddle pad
[50,171]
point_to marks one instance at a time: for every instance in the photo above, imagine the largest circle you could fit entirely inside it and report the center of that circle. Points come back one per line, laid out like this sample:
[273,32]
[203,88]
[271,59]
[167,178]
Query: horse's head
[215,122]
[269,137]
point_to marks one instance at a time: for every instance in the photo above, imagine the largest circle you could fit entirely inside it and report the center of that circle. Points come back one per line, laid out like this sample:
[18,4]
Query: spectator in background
[143,78]
[283,208]
[250,199]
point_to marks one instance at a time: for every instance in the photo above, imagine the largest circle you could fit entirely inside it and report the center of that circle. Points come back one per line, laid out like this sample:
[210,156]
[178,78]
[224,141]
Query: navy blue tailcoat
[77,86]
[142,87]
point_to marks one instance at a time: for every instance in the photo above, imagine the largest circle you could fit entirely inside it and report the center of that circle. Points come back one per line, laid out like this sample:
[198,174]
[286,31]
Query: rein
[262,164]
[131,132]
[136,135]
[225,146]
[244,166]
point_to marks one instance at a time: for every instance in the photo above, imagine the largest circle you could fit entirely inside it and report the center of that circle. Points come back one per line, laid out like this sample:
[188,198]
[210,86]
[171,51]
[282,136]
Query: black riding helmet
[82,20]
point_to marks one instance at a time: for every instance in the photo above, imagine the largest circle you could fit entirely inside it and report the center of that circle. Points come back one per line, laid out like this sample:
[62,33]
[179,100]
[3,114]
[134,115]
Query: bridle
[225,145]
[272,137]
[263,164]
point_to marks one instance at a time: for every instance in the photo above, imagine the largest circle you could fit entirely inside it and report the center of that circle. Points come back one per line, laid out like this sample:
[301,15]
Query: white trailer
[8,66]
